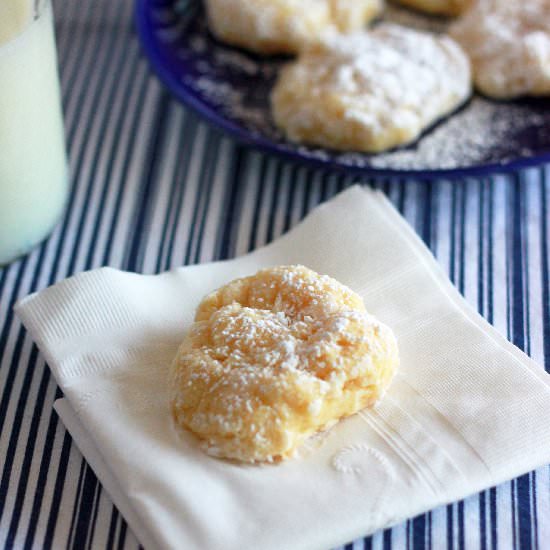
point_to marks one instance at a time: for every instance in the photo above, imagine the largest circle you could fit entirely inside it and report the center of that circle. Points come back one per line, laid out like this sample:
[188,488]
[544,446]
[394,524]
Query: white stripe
[499,256]
[443,248]
[471,243]
[533,272]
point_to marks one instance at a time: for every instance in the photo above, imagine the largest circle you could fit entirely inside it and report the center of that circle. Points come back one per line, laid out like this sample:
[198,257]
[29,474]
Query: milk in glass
[33,168]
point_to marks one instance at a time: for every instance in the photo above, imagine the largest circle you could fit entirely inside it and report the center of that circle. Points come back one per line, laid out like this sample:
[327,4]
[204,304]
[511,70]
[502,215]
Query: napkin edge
[458,300]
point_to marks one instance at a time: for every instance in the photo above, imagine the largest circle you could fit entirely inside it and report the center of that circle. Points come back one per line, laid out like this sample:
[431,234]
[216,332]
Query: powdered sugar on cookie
[509,46]
[370,91]
[285,26]
[274,358]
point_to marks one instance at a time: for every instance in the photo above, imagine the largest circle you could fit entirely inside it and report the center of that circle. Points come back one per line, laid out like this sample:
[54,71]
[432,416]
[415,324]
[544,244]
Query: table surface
[153,188]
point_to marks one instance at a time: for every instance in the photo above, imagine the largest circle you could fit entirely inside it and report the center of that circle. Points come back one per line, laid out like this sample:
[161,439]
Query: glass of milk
[33,164]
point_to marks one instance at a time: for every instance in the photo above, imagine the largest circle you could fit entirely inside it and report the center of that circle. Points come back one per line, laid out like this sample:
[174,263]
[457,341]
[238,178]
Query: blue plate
[230,88]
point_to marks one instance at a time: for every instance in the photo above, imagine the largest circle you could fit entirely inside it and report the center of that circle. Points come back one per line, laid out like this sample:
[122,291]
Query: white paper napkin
[467,410]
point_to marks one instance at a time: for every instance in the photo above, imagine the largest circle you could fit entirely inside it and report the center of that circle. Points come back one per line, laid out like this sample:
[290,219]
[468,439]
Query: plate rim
[186,95]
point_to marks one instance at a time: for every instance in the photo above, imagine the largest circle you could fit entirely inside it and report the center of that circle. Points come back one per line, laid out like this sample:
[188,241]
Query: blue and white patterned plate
[230,88]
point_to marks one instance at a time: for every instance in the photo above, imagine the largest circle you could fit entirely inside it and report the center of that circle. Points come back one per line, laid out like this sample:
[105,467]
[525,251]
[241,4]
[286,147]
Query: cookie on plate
[439,7]
[285,26]
[509,46]
[370,91]
[273,358]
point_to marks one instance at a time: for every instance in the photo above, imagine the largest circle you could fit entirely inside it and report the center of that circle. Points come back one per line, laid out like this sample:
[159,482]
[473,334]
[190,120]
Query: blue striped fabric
[152,188]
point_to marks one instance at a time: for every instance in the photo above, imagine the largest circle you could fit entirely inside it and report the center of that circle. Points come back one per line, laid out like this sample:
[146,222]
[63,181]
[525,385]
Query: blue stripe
[291,197]
[58,490]
[426,230]
[257,207]
[77,502]
[307,191]
[115,518]
[13,368]
[545,268]
[43,473]
[534,509]
[133,257]
[226,236]
[95,509]
[178,190]
[419,533]
[206,182]
[29,450]
[461,526]
[142,87]
[86,499]
[122,534]
[107,121]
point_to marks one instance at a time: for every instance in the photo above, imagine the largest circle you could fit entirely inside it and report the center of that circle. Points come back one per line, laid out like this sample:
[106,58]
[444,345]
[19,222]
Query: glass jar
[33,164]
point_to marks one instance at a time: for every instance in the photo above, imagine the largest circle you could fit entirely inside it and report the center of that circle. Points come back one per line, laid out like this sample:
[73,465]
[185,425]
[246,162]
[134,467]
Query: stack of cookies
[370,89]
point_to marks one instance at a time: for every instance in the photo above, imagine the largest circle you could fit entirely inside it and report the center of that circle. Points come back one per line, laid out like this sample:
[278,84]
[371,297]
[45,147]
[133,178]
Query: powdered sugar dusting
[236,86]
[465,138]
[390,83]
[509,44]
[269,354]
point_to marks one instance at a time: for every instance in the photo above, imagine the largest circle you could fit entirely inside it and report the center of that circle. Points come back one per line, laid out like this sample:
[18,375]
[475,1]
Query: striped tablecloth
[153,188]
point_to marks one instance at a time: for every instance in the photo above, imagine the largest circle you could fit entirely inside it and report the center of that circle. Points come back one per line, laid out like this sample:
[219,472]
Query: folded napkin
[467,410]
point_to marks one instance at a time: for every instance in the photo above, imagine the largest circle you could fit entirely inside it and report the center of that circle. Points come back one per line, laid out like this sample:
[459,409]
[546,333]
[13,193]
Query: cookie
[438,7]
[285,26]
[370,91]
[509,46]
[274,358]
